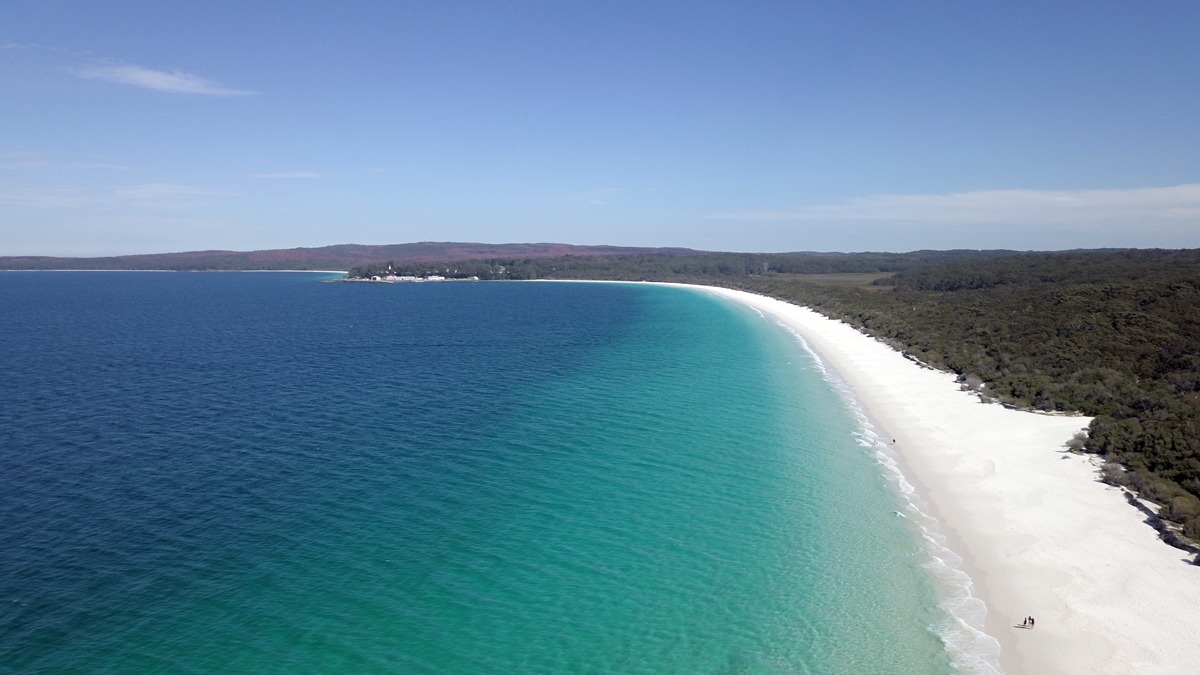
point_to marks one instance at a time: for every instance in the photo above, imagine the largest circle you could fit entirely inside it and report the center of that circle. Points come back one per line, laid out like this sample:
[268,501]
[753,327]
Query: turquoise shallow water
[262,473]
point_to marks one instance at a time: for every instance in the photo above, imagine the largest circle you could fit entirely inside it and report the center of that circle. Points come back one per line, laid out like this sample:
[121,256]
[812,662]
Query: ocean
[264,473]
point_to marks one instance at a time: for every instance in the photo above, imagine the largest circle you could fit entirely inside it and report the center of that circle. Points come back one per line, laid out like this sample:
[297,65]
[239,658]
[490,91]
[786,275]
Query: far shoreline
[188,271]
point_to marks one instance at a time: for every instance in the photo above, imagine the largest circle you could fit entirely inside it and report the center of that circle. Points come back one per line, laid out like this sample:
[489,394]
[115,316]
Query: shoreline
[166,270]
[1037,532]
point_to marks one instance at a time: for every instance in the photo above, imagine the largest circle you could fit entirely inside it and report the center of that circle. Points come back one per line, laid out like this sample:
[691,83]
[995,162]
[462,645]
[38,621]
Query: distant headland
[336,257]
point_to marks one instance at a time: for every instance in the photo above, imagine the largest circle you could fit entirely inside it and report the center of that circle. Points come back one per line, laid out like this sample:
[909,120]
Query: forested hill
[700,267]
[339,257]
[1112,334]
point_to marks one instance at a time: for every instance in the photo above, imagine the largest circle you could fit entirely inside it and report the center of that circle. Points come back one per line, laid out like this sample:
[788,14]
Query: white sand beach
[1039,534]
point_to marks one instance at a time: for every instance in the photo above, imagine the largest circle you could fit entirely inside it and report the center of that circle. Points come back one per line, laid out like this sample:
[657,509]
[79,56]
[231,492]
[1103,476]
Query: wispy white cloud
[158,191]
[291,174]
[32,46]
[149,195]
[603,196]
[48,197]
[175,81]
[597,197]
[1181,202]
[31,160]
[50,166]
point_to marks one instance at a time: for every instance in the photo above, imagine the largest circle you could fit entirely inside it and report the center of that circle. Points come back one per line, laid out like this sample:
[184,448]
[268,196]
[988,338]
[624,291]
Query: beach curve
[1037,532]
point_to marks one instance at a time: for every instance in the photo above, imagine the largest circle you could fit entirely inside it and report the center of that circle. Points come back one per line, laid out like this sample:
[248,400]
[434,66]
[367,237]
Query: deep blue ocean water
[263,473]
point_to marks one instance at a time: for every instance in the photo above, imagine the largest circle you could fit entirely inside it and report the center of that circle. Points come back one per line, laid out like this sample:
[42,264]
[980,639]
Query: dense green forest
[1112,334]
[702,267]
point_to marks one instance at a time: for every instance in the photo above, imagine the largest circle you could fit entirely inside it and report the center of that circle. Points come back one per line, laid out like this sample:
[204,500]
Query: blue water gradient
[262,473]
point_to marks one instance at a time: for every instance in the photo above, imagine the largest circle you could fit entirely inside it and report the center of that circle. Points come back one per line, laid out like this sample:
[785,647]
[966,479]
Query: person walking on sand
[1025,623]
[1031,623]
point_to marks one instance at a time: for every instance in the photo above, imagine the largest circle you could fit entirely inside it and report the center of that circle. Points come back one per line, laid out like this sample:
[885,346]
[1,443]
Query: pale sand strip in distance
[1040,535]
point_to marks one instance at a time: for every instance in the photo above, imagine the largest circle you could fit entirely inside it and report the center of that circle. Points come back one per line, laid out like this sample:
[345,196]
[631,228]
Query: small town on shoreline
[389,276]
[392,279]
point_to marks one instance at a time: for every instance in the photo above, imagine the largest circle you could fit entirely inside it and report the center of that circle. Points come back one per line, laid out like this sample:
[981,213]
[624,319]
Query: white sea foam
[972,651]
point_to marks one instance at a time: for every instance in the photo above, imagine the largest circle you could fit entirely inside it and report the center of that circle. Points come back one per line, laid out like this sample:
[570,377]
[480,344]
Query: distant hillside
[698,266]
[339,257]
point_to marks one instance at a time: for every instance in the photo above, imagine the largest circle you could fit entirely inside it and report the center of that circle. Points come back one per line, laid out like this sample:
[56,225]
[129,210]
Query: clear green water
[264,474]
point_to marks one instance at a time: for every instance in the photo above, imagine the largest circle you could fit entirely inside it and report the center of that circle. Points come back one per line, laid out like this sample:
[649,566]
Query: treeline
[1115,335]
[661,267]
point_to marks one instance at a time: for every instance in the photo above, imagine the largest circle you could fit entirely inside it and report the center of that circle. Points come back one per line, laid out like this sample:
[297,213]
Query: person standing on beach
[1031,623]
[1025,623]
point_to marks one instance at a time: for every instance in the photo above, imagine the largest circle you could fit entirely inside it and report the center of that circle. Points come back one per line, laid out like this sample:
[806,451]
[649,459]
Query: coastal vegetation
[696,267]
[1114,335]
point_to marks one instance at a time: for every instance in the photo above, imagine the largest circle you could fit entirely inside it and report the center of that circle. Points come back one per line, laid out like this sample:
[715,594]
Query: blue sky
[130,127]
